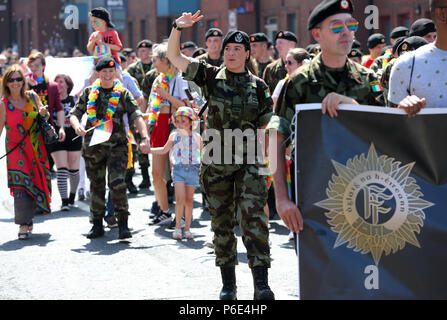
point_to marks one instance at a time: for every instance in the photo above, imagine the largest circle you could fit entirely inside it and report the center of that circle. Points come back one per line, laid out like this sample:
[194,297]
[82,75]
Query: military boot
[146,183]
[124,231]
[128,179]
[260,281]
[228,291]
[97,230]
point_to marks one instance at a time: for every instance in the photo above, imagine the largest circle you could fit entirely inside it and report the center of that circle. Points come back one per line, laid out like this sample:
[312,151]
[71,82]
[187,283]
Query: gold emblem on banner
[374,205]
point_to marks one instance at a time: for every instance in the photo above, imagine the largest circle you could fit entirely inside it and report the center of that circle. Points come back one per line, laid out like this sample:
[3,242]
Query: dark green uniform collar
[317,70]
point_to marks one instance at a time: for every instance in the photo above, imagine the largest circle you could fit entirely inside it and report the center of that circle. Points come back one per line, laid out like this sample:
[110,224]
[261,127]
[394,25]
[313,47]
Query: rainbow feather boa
[156,99]
[111,108]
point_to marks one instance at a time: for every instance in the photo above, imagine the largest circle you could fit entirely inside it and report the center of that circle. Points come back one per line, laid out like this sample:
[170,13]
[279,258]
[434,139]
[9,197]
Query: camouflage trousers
[100,159]
[227,187]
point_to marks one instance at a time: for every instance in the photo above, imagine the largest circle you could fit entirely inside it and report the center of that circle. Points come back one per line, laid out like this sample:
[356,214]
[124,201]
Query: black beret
[199,52]
[375,39]
[103,63]
[103,14]
[411,43]
[397,43]
[355,53]
[144,44]
[259,37]
[287,35]
[313,48]
[399,32]
[356,44]
[326,9]
[188,44]
[213,32]
[236,36]
[422,27]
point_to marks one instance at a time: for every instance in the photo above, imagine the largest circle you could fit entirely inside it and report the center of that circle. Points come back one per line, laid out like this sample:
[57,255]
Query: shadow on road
[36,239]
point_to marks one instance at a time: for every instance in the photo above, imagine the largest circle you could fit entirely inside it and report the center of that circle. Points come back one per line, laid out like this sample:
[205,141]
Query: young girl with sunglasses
[185,146]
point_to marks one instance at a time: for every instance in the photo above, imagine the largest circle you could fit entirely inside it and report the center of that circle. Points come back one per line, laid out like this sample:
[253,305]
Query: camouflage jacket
[138,70]
[385,80]
[274,72]
[216,63]
[261,67]
[235,101]
[126,105]
[314,82]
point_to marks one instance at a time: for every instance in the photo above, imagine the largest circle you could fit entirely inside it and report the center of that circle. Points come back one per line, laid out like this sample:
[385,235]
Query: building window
[385,23]
[291,22]
[404,20]
[271,26]
[143,29]
[130,33]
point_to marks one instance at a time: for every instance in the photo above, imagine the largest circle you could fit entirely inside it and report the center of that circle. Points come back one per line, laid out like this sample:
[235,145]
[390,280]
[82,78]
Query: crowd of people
[150,99]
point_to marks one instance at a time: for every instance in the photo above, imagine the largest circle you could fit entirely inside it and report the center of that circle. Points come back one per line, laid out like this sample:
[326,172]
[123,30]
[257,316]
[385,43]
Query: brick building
[40,23]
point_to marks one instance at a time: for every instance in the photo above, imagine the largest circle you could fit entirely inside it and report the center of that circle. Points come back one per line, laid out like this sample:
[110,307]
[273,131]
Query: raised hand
[188,19]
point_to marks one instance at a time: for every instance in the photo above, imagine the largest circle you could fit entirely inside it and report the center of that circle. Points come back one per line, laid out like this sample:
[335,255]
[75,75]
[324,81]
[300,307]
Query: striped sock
[62,176]
[74,180]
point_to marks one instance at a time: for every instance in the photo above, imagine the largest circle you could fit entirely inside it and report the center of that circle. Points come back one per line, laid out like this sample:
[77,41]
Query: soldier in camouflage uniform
[343,82]
[276,71]
[213,43]
[260,51]
[111,155]
[237,100]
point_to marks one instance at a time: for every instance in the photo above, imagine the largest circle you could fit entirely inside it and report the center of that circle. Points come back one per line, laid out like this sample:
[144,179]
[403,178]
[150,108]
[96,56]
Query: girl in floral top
[185,147]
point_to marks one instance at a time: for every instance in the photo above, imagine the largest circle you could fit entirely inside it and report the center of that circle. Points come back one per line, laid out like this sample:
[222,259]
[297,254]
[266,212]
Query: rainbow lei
[111,108]
[156,99]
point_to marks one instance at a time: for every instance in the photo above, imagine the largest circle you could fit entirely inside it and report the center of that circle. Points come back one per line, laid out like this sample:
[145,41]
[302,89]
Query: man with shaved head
[413,85]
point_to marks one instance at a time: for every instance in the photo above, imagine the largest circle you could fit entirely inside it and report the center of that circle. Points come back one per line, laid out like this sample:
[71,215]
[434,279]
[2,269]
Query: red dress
[27,164]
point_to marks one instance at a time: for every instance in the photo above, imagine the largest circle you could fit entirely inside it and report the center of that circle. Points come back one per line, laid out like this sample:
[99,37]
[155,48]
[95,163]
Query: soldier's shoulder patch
[267,93]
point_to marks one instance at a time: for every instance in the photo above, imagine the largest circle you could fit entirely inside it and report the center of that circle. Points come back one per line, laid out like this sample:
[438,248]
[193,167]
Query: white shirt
[429,79]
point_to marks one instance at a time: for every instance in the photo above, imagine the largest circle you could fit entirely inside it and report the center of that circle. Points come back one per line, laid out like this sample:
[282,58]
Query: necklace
[113,102]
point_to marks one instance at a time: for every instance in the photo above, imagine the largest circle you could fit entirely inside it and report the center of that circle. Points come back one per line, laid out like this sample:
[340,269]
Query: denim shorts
[187,174]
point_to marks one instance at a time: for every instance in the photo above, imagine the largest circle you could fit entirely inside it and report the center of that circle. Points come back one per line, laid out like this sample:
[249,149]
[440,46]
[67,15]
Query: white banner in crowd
[77,68]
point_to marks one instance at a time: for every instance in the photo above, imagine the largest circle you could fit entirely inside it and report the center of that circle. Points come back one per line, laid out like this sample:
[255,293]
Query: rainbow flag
[131,137]
[102,132]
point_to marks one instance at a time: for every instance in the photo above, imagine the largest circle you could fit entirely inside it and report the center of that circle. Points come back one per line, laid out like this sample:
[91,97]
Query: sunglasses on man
[336,26]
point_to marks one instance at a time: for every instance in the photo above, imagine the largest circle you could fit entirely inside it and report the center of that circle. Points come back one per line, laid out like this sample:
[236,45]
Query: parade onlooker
[26,158]
[104,41]
[48,93]
[168,94]
[67,154]
[294,59]
[185,147]
[424,28]
[419,78]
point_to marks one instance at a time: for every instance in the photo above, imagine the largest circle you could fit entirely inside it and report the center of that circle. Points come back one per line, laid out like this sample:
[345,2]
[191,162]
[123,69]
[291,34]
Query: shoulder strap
[411,75]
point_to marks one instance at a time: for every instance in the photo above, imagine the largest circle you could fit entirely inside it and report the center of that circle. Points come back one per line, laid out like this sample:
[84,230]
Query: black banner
[371,185]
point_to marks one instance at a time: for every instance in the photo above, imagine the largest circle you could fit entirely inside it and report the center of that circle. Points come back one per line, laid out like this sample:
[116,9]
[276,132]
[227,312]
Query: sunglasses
[337,26]
[11,80]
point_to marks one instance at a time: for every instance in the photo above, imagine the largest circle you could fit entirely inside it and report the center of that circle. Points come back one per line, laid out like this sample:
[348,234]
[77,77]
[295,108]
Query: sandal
[23,235]
[189,235]
[177,235]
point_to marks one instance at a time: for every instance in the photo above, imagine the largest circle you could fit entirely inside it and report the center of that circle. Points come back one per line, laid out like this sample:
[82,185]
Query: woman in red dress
[28,170]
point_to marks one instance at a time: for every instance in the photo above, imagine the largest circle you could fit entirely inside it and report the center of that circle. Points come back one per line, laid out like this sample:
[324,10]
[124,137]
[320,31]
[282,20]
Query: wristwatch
[175,26]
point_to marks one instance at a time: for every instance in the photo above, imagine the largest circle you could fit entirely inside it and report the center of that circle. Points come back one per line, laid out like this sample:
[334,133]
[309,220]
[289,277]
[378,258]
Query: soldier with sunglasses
[331,79]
